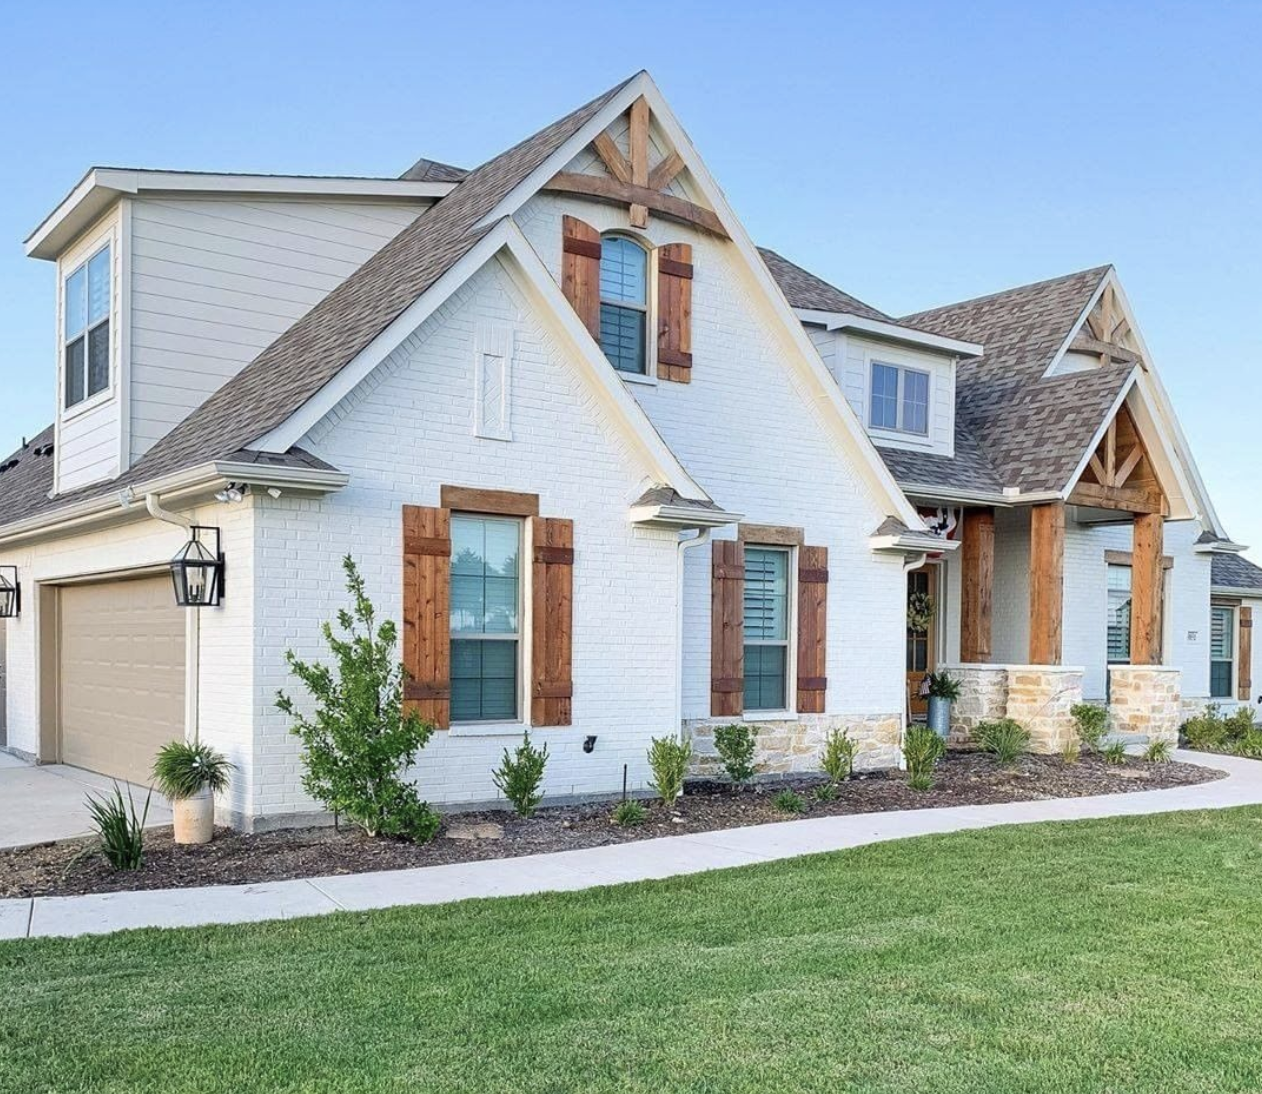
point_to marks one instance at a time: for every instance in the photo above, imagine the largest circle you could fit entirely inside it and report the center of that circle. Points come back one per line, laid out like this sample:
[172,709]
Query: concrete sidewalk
[570,870]
[39,804]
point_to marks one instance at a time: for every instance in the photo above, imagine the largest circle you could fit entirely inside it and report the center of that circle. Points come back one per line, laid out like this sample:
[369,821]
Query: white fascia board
[127,503]
[833,320]
[102,185]
[914,542]
[838,413]
[530,274]
[1220,547]
[1232,590]
[681,516]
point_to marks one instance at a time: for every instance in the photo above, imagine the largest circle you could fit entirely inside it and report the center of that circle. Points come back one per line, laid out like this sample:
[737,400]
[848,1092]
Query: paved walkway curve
[570,870]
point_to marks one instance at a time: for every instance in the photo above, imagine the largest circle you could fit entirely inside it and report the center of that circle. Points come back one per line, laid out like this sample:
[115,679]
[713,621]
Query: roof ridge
[1045,283]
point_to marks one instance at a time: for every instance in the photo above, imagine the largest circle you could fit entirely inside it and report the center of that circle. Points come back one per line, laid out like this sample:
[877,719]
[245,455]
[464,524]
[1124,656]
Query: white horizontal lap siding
[751,435]
[226,698]
[408,429]
[1185,637]
[87,441]
[215,281]
[854,372]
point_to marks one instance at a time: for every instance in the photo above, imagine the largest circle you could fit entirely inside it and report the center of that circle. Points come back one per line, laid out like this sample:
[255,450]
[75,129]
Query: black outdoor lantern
[10,593]
[197,570]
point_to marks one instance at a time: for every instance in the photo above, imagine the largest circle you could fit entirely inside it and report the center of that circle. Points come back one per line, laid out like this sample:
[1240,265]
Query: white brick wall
[753,438]
[406,431]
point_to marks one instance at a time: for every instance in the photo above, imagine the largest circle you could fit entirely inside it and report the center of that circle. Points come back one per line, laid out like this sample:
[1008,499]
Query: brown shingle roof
[320,344]
[804,290]
[1234,572]
[424,170]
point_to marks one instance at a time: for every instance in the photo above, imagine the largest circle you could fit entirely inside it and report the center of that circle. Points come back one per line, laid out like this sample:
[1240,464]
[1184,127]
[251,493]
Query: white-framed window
[900,399]
[486,619]
[768,626]
[87,293]
[625,273]
[1119,615]
[1222,651]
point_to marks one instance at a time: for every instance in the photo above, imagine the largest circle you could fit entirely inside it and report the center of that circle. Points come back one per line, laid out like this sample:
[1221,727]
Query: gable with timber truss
[1120,473]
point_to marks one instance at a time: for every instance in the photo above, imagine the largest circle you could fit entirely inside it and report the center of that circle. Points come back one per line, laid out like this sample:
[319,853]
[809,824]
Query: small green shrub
[1240,723]
[360,741]
[735,745]
[1114,753]
[789,801]
[838,757]
[1092,721]
[121,830]
[825,792]
[1158,752]
[1071,753]
[181,770]
[668,759]
[922,749]
[942,685]
[520,776]
[1250,745]
[1206,731]
[1003,738]
[629,814]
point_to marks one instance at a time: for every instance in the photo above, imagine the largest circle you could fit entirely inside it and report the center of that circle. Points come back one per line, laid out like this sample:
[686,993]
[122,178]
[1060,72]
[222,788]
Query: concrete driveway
[49,802]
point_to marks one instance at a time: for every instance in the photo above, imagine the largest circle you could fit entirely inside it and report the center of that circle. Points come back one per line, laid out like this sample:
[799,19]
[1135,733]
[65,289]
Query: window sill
[769,716]
[637,378]
[921,440]
[488,729]
[84,406]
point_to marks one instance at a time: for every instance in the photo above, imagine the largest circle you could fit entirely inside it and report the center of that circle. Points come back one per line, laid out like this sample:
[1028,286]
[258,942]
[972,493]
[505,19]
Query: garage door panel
[121,675]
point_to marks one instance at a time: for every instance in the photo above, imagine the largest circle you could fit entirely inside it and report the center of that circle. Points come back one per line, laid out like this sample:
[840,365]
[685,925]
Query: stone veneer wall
[1038,696]
[1144,702]
[794,745]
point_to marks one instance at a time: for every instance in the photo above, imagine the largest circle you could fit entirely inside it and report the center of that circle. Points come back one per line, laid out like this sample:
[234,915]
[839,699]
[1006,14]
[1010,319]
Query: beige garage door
[121,650]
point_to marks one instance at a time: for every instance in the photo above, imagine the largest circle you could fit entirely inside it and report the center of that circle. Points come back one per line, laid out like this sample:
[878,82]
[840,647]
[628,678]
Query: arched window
[624,309]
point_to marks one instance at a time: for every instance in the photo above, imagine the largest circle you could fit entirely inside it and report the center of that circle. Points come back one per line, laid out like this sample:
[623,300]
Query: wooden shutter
[674,312]
[426,612]
[1244,656]
[552,605]
[580,271]
[727,628]
[812,629]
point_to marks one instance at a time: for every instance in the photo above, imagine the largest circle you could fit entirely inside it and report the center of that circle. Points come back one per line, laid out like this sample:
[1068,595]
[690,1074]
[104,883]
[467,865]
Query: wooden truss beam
[621,193]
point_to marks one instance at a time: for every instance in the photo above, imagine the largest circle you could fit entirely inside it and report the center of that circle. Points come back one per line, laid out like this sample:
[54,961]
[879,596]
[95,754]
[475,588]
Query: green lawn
[1101,956]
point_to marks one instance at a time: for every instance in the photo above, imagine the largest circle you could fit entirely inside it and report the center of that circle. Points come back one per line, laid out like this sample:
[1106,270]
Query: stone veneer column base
[1038,696]
[794,745]
[983,698]
[1145,701]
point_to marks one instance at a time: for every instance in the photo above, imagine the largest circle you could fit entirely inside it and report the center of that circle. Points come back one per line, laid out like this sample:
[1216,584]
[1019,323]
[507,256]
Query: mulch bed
[60,869]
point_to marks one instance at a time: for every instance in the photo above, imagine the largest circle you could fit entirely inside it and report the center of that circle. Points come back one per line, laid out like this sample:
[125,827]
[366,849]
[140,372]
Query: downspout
[192,633]
[701,537]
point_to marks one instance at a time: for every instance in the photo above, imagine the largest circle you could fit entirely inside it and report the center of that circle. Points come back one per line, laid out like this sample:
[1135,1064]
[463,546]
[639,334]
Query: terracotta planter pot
[195,817]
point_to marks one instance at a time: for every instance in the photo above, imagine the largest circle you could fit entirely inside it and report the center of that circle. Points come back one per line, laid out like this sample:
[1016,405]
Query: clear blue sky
[914,153]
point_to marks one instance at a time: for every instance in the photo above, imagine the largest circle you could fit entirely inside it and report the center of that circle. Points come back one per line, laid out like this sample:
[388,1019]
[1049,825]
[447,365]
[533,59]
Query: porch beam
[977,580]
[1146,574]
[1047,582]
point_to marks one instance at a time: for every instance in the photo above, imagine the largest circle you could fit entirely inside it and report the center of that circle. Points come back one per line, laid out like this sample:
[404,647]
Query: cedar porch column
[1047,582]
[1146,583]
[977,579]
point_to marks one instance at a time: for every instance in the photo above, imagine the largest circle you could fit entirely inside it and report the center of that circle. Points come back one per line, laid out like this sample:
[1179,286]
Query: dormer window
[624,310]
[900,399]
[86,328]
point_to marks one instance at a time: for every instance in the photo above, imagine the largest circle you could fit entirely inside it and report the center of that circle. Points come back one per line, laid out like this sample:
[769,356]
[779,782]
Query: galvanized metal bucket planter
[940,716]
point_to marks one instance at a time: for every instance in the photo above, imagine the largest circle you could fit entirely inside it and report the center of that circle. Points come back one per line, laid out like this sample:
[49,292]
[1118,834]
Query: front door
[922,605]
